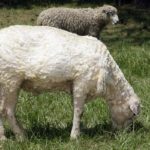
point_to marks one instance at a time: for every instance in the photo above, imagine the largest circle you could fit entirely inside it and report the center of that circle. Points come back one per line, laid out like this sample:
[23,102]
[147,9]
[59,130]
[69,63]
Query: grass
[47,118]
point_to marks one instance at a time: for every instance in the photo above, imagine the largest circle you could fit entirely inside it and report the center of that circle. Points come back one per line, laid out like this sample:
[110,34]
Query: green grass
[47,118]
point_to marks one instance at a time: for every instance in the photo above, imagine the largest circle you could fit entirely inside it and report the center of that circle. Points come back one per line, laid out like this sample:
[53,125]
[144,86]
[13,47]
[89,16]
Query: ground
[47,118]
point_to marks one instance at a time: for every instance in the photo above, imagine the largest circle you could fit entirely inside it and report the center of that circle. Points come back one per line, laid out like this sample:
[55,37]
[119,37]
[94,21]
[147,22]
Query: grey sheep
[83,21]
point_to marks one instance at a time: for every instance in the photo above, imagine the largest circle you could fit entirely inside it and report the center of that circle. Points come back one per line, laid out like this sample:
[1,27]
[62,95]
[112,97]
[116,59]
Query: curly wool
[45,58]
[84,21]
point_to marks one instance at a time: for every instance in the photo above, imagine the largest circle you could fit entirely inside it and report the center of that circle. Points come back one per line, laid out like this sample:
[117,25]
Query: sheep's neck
[118,87]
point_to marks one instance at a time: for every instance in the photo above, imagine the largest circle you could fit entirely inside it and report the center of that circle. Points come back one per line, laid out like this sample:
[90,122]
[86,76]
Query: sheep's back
[73,20]
[39,51]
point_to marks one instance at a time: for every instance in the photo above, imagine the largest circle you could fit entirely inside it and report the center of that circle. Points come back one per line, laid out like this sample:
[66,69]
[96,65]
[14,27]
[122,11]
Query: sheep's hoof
[3,138]
[74,136]
[20,138]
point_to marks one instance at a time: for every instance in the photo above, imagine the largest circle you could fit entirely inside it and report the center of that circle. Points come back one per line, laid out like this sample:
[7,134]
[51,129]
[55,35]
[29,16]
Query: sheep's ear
[135,108]
[104,10]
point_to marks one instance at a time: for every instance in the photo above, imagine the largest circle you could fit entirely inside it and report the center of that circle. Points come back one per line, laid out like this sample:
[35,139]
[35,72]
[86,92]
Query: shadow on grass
[130,12]
[135,34]
[47,132]
[138,126]
[100,129]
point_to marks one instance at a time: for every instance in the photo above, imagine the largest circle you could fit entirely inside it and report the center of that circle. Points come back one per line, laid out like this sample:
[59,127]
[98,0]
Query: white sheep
[83,21]
[44,58]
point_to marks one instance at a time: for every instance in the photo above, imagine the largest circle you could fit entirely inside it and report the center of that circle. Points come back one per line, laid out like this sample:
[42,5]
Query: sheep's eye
[134,115]
[111,13]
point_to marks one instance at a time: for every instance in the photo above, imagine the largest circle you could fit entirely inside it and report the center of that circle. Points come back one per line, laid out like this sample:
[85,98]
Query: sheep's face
[123,113]
[111,13]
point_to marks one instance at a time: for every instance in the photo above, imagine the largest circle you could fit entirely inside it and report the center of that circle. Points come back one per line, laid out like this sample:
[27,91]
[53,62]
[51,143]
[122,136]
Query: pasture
[47,118]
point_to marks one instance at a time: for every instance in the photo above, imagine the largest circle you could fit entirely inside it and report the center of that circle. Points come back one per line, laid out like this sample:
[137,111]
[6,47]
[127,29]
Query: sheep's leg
[9,94]
[2,136]
[10,107]
[78,101]
[7,108]
[78,110]
[2,101]
[94,32]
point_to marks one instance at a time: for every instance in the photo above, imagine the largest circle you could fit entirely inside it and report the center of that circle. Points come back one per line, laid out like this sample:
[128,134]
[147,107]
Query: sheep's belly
[40,86]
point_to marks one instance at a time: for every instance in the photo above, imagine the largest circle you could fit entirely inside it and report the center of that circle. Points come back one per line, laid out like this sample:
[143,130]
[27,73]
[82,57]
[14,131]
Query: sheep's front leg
[78,110]
[94,32]
[78,102]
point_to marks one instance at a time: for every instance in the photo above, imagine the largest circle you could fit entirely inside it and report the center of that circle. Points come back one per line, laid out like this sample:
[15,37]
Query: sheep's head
[111,13]
[123,113]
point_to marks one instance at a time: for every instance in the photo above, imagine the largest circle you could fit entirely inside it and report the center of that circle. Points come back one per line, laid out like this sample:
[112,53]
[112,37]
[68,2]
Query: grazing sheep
[84,21]
[45,58]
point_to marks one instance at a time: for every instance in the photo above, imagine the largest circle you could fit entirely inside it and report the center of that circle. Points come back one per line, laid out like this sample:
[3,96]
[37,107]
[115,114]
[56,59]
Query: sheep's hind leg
[2,136]
[11,95]
[2,101]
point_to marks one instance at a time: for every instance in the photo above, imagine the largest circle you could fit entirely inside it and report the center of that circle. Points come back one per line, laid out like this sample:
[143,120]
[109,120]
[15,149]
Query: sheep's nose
[115,19]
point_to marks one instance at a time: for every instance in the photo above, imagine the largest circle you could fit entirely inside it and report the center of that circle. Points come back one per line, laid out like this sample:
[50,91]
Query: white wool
[45,58]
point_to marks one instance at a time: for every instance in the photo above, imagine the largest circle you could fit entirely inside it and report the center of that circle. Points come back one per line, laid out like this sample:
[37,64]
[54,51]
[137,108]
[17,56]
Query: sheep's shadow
[107,129]
[46,132]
